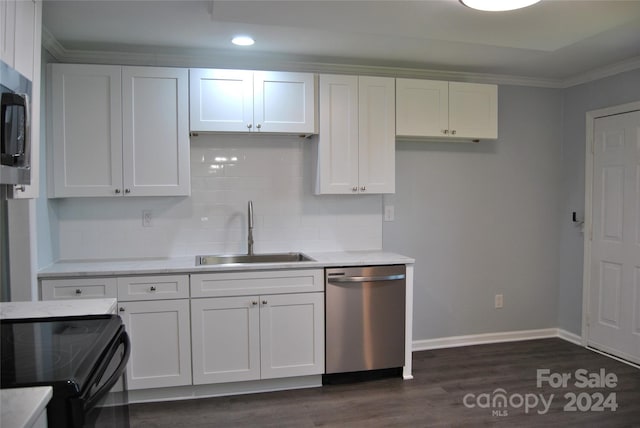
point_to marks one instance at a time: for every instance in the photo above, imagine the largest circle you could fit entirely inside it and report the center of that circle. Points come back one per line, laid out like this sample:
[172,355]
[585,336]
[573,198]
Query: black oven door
[105,402]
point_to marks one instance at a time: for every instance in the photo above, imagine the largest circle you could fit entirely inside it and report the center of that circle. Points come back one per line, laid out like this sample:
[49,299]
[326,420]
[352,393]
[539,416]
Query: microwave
[15,145]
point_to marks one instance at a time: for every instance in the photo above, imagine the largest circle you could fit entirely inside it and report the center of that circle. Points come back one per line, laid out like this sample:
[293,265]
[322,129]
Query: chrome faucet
[250,227]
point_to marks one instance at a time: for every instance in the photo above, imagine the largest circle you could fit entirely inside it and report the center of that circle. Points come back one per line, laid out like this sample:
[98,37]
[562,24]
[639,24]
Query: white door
[292,335]
[422,108]
[284,102]
[155,131]
[338,137]
[613,320]
[226,339]
[473,110]
[376,134]
[160,345]
[86,123]
[221,100]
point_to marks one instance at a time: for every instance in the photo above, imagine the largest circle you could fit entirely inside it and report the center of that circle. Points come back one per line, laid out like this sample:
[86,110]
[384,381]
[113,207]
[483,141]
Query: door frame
[588,204]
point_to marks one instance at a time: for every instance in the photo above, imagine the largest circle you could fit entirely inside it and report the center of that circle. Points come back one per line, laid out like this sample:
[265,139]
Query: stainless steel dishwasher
[365,318]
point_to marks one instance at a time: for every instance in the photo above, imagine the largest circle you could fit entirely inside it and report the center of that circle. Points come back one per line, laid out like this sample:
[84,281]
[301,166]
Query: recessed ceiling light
[498,5]
[242,41]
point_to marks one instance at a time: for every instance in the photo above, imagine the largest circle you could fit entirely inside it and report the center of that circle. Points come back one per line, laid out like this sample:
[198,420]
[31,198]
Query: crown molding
[600,73]
[145,56]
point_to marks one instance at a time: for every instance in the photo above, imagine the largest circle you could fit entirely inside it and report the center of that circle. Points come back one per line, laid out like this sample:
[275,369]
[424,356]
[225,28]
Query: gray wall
[482,219]
[578,100]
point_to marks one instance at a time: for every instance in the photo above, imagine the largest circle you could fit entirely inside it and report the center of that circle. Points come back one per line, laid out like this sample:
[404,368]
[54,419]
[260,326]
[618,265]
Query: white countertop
[57,308]
[83,268]
[21,407]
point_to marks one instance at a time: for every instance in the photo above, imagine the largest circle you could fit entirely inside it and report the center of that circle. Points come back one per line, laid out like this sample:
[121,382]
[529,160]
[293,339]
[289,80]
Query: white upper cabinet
[252,101]
[356,144]
[118,131]
[446,110]
[155,131]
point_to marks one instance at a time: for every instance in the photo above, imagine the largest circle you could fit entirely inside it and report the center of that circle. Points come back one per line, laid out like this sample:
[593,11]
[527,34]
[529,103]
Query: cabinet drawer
[256,282]
[153,287]
[83,288]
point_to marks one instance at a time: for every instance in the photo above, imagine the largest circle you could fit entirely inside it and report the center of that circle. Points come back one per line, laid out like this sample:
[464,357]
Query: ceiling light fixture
[242,41]
[498,5]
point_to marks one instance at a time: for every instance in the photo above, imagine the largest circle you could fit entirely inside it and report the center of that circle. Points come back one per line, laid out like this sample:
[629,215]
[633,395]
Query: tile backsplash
[275,172]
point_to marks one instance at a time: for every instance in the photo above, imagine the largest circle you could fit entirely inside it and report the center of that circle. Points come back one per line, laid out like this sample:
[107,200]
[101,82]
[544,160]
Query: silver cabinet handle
[264,302]
[152,288]
[445,131]
[127,190]
[20,188]
[363,188]
[121,309]
[367,278]
[249,126]
[259,126]
[254,303]
[453,132]
[354,188]
[78,292]
[117,191]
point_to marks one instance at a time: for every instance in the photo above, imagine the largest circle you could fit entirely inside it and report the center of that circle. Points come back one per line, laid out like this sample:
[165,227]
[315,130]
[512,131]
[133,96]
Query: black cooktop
[60,352]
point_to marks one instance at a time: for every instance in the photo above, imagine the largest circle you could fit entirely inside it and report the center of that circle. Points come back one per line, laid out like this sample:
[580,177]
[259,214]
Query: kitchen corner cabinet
[442,111]
[252,101]
[264,337]
[356,143]
[118,131]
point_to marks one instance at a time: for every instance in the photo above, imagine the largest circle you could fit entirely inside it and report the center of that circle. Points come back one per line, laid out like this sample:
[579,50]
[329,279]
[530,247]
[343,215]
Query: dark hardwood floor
[446,384]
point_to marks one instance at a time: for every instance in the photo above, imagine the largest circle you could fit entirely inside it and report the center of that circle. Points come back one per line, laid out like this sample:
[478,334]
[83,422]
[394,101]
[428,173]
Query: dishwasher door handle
[343,279]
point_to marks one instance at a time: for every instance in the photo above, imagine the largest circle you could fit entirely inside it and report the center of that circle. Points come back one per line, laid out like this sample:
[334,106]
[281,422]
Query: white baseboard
[485,338]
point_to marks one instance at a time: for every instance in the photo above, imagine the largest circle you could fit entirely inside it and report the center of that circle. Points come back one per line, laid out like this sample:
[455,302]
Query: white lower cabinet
[160,343]
[257,337]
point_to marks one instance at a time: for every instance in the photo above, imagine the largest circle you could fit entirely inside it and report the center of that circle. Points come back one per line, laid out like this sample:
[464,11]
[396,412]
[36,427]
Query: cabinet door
[221,100]
[86,130]
[473,110]
[284,102]
[226,342]
[338,138]
[155,129]
[376,139]
[79,288]
[422,108]
[292,335]
[24,42]
[160,343]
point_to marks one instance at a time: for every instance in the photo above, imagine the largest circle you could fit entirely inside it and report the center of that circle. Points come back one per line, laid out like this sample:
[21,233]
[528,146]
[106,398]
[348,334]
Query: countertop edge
[22,406]
[186,265]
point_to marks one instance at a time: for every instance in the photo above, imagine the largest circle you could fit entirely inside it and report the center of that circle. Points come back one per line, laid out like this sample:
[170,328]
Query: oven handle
[124,339]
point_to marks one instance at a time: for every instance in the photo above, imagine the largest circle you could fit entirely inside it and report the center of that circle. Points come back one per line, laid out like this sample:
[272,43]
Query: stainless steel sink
[253,258]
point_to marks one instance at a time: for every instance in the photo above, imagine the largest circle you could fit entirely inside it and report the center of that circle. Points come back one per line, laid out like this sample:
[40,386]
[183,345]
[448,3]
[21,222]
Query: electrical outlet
[499,301]
[146,218]
[389,213]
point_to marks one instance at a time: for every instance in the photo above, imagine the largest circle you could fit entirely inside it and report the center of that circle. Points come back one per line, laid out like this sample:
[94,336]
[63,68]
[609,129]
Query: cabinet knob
[127,190]
[453,132]
[152,288]
[249,126]
[363,188]
[254,303]
[259,126]
[264,302]
[354,188]
[117,191]
[121,309]
[78,292]
[445,131]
